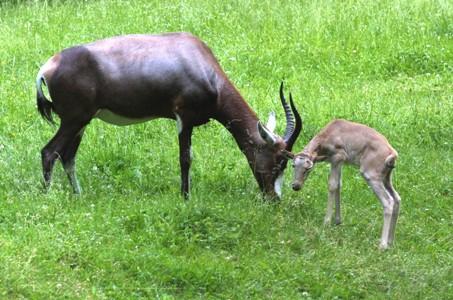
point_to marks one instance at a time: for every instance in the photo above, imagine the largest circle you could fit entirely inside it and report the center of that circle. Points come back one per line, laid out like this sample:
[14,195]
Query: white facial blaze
[278,185]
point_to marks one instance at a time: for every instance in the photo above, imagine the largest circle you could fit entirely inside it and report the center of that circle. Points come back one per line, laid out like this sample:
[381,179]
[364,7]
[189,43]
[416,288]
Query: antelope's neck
[237,116]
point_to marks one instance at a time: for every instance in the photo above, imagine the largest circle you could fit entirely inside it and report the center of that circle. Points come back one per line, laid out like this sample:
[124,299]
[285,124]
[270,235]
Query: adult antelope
[134,78]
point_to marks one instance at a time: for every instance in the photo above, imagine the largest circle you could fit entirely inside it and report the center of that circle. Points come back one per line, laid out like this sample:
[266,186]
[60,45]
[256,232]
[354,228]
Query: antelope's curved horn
[293,120]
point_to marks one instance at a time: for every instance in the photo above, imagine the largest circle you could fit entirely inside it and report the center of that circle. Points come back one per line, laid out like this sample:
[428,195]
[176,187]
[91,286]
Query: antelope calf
[351,143]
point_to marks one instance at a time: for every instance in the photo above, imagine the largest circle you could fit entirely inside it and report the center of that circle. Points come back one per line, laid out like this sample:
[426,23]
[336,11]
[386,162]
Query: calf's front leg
[334,195]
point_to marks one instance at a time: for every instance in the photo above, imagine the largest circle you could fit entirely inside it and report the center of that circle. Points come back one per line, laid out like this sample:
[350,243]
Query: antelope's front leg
[334,195]
[185,159]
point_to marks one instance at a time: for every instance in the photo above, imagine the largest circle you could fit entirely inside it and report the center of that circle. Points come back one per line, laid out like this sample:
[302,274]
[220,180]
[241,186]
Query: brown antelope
[347,142]
[134,78]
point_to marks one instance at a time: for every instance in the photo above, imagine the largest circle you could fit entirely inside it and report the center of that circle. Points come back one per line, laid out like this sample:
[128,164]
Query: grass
[387,64]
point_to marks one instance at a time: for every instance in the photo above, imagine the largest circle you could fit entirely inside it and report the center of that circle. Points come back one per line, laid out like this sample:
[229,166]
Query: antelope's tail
[45,106]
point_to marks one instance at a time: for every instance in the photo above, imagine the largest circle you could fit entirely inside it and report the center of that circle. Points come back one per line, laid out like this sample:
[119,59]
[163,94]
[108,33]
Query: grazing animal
[134,78]
[352,143]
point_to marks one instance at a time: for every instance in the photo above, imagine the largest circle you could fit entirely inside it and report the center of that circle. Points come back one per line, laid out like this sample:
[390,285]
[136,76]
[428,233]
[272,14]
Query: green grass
[387,64]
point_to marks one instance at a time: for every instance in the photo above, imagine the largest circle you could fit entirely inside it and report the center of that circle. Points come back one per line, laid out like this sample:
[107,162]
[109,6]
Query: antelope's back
[140,76]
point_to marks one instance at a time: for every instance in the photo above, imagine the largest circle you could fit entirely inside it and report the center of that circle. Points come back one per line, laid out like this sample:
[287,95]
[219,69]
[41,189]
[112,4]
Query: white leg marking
[70,171]
[278,185]
[179,124]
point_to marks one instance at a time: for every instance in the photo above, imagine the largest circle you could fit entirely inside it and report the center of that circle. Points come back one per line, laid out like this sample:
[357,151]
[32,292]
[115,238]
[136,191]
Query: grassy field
[130,235]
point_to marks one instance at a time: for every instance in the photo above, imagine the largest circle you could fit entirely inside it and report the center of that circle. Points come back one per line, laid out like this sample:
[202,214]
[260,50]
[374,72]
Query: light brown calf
[352,143]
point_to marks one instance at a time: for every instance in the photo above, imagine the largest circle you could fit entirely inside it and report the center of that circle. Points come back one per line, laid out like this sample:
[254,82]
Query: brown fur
[344,142]
[134,78]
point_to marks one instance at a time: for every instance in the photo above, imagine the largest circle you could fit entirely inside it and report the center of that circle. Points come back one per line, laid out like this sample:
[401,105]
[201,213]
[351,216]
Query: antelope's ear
[271,122]
[266,134]
[288,154]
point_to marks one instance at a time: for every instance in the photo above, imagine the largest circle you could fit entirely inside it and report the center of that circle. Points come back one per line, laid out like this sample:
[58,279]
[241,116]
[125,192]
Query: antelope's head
[272,157]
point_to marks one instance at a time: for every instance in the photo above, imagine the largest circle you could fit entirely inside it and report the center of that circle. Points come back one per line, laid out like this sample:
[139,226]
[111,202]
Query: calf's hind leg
[396,205]
[389,206]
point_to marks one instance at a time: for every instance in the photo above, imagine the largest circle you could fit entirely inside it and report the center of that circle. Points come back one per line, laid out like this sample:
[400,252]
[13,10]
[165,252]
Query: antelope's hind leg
[68,161]
[64,146]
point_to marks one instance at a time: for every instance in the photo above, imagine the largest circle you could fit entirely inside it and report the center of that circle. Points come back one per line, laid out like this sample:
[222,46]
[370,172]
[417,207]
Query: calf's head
[302,164]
